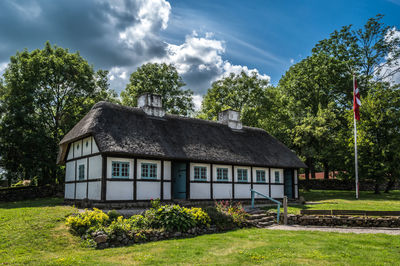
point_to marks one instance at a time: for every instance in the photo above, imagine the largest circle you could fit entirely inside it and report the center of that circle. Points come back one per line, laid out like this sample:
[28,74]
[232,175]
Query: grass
[33,232]
[345,200]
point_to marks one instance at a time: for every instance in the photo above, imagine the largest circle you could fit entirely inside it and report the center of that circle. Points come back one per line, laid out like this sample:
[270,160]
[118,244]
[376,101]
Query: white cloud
[291,60]
[394,65]
[199,59]
[197,100]
[3,67]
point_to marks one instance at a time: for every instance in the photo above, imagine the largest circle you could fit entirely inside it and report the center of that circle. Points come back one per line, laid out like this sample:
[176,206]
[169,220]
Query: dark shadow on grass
[45,202]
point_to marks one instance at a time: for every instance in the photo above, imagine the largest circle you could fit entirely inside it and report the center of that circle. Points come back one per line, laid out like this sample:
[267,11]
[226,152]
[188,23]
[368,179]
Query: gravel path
[356,230]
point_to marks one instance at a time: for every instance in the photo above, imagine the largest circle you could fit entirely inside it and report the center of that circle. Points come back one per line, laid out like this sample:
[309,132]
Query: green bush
[236,211]
[119,226]
[221,220]
[113,215]
[87,221]
[139,221]
[200,216]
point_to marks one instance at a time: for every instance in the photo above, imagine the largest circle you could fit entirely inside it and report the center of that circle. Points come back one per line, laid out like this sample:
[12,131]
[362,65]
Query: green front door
[288,176]
[179,180]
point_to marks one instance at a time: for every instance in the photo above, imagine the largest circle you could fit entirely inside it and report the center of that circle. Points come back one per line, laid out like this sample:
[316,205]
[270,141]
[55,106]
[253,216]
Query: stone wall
[336,184]
[350,221]
[30,192]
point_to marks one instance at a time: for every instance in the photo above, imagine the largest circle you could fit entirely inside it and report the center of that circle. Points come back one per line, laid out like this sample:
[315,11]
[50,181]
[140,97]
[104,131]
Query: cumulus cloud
[199,60]
[392,64]
[115,35]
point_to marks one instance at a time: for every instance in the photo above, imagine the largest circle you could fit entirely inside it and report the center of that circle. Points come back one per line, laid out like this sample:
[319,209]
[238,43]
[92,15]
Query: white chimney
[231,118]
[151,104]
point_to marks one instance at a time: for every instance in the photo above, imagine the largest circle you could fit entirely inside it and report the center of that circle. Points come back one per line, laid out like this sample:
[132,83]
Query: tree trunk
[326,170]
[389,185]
[307,175]
[312,169]
[376,189]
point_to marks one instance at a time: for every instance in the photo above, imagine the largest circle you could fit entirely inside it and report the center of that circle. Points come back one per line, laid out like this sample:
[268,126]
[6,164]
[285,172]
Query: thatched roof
[122,130]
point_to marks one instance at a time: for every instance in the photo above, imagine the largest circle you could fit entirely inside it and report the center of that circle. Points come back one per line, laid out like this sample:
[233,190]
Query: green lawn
[34,233]
[345,200]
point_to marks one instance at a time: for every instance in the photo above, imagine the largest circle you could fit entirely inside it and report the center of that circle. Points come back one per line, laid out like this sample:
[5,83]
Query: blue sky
[205,40]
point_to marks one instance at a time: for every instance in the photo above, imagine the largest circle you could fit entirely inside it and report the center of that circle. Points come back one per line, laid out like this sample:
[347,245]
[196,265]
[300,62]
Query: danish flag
[356,101]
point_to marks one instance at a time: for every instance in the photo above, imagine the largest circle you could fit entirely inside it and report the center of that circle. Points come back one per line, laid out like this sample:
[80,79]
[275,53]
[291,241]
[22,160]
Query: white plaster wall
[70,171]
[248,173]
[296,192]
[95,164]
[94,192]
[167,190]
[81,162]
[139,167]
[109,164]
[148,190]
[222,191]
[215,166]
[81,190]
[119,190]
[95,149]
[273,175]
[277,191]
[242,191]
[69,191]
[200,191]
[192,165]
[86,146]
[262,188]
[255,174]
[167,170]
[70,152]
[78,148]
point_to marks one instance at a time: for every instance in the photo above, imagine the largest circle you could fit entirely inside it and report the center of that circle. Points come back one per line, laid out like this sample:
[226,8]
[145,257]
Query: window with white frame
[222,174]
[242,175]
[81,172]
[260,176]
[200,173]
[149,170]
[120,169]
[277,175]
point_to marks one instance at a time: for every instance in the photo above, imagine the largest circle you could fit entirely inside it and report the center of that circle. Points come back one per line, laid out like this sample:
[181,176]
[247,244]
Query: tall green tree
[245,93]
[379,135]
[160,79]
[44,93]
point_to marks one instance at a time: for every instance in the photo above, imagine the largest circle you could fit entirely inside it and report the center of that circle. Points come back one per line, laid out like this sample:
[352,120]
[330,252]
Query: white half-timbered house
[124,154]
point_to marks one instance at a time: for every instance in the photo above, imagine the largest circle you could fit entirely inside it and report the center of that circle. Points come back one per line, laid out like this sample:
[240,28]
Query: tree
[241,92]
[160,79]
[44,93]
[314,100]
[372,51]
[379,135]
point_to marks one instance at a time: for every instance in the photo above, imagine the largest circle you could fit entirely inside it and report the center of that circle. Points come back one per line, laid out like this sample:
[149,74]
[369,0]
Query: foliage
[220,219]
[159,79]
[245,93]
[235,210]
[88,220]
[113,215]
[139,221]
[119,226]
[43,95]
[176,218]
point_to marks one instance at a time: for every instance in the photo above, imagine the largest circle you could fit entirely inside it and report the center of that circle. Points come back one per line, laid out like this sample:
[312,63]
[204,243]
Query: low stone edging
[350,221]
[102,240]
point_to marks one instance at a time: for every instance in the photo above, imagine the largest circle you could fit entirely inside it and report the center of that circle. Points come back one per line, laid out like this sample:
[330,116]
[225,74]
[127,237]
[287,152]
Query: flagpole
[355,140]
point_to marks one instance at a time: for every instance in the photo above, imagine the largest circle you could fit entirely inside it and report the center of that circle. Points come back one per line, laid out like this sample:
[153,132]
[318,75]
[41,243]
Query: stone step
[257,216]
[264,224]
[264,219]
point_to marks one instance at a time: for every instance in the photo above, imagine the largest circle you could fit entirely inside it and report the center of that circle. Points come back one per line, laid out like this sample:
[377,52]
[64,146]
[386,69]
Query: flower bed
[102,230]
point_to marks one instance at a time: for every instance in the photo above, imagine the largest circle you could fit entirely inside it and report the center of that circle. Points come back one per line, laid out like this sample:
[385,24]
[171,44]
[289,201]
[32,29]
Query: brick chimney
[151,104]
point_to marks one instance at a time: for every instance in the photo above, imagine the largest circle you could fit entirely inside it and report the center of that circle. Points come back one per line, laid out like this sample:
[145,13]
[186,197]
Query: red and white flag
[356,100]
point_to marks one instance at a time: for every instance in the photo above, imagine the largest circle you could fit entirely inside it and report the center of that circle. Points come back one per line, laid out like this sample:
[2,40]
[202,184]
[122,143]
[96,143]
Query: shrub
[236,211]
[200,216]
[119,226]
[113,215]
[173,218]
[221,220]
[139,221]
[87,221]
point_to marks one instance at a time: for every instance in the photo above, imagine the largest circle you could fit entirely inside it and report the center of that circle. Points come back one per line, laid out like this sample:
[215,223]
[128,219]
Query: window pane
[276,176]
[81,172]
